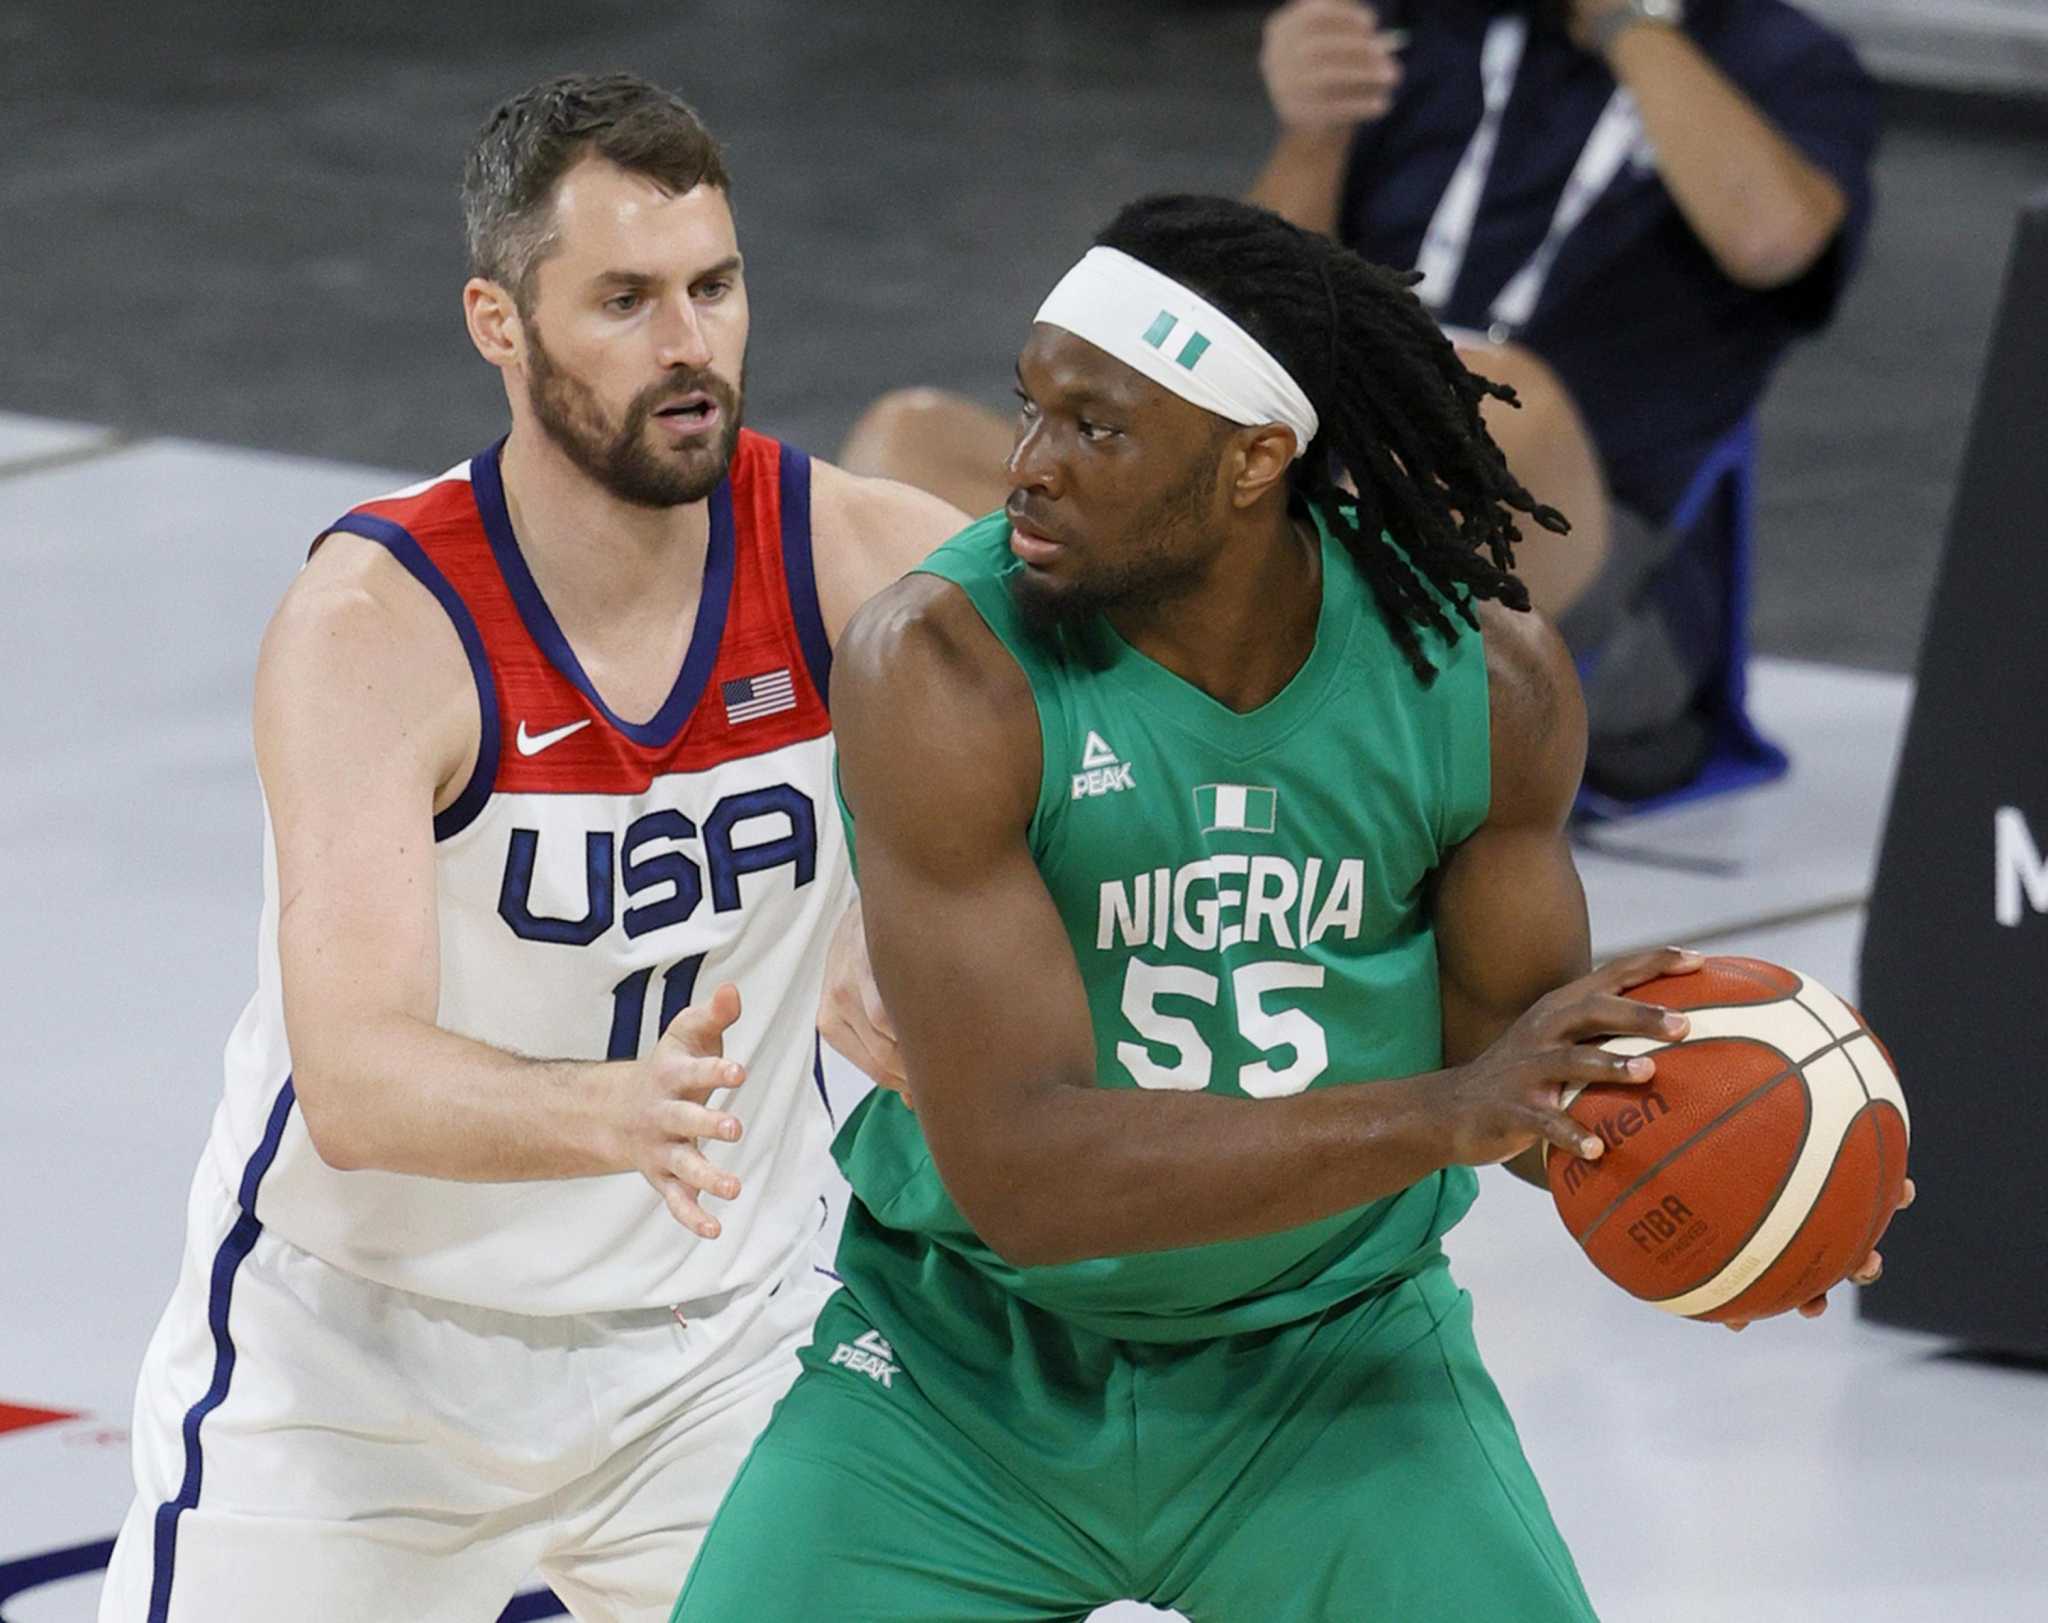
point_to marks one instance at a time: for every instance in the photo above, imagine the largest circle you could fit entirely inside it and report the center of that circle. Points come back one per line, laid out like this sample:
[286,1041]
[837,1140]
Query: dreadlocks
[1399,411]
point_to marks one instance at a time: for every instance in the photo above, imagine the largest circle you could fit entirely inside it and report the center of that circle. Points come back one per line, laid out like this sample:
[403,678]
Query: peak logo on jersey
[1237,807]
[1101,772]
[868,1354]
[534,743]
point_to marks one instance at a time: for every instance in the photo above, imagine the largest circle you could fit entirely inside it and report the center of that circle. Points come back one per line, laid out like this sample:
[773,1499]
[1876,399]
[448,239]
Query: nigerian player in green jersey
[1210,820]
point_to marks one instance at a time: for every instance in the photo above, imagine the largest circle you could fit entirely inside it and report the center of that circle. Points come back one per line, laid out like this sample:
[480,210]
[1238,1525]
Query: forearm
[1110,1171]
[398,1094]
[1763,210]
[1303,178]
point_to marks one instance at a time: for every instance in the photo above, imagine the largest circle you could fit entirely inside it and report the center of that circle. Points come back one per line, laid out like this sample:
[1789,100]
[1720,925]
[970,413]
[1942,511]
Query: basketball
[1761,1162]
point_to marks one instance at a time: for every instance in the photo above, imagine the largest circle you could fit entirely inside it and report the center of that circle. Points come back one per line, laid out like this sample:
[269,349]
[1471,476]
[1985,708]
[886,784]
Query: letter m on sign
[2019,867]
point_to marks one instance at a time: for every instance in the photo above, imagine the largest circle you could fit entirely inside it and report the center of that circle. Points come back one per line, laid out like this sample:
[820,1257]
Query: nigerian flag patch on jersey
[1237,806]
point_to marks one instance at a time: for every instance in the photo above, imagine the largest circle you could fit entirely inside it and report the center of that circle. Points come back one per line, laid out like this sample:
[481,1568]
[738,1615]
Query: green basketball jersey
[1244,894]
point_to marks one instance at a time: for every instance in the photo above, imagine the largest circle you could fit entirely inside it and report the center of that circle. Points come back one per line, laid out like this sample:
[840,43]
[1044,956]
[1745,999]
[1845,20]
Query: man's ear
[1264,454]
[495,327]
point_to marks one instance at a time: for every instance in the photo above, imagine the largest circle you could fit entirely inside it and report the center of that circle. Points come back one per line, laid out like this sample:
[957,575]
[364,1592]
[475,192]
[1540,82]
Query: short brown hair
[532,140]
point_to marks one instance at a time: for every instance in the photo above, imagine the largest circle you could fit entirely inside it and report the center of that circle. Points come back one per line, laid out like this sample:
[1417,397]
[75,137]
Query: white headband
[1179,340]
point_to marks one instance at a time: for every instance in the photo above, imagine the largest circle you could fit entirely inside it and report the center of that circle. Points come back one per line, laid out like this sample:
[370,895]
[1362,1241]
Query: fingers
[682,1206]
[681,1120]
[684,1175]
[700,1029]
[1870,1271]
[1639,967]
[1588,1065]
[1608,1014]
[1562,1133]
[1328,63]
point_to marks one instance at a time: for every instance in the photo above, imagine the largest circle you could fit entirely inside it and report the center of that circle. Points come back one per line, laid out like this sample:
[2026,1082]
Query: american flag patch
[751,697]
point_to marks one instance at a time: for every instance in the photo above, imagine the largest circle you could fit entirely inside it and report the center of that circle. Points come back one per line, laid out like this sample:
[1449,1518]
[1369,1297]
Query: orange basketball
[1759,1165]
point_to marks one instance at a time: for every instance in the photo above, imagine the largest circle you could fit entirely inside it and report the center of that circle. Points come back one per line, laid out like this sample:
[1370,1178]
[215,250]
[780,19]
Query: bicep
[354,729]
[868,533]
[1509,911]
[974,963]
[1510,926]
[939,762]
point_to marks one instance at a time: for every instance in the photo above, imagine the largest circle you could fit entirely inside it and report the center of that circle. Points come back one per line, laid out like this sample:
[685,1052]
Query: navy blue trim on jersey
[799,572]
[667,723]
[818,1072]
[399,542]
[234,1251]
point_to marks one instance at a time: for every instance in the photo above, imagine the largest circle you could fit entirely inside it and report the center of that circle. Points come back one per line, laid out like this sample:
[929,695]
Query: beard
[618,455]
[1154,569]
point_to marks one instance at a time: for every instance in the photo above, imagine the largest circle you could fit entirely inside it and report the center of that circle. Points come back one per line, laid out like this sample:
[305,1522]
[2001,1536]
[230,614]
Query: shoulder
[357,632]
[1771,40]
[1537,715]
[926,697]
[921,645]
[867,533]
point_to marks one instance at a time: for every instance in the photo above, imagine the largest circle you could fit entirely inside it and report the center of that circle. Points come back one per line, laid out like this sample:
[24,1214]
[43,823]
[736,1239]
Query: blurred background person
[1627,210]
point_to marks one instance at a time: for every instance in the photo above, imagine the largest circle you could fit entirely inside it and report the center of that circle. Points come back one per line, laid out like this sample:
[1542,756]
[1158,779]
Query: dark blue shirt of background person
[1663,352]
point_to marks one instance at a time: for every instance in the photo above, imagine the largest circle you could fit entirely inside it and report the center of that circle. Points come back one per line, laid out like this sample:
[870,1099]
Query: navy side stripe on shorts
[234,1249]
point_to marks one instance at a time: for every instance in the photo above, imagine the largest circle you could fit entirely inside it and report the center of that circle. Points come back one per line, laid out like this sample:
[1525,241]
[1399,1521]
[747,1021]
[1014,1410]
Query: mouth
[689,415]
[1032,546]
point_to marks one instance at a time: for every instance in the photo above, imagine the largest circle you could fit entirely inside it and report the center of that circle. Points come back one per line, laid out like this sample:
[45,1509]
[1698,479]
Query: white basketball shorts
[312,1446]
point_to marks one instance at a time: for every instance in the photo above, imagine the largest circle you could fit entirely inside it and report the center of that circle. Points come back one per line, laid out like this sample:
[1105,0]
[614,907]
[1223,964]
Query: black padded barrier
[1955,958]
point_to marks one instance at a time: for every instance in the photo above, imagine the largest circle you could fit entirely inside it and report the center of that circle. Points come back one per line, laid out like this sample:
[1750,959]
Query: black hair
[532,139]
[1399,411]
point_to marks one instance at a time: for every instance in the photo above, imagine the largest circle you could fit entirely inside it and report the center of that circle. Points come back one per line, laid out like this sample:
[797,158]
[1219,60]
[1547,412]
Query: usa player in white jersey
[551,874]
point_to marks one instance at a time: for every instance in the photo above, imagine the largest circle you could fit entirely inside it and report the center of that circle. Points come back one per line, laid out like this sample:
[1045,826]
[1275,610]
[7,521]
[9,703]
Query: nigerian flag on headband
[1236,806]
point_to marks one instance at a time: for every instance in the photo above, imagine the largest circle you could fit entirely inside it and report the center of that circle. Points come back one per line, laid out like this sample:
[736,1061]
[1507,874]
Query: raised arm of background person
[365,724]
[866,534]
[940,761]
[1764,210]
[1510,913]
[1328,67]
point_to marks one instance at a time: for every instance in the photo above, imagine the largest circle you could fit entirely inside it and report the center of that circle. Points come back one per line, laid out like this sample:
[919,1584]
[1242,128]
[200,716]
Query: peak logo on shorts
[868,1354]
[1101,772]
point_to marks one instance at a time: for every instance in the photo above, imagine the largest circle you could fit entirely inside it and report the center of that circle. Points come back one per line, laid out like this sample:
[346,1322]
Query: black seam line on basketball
[1826,908]
[1792,1068]
[1870,1104]
[70,456]
[1877,1214]
[1784,1181]
[1649,1172]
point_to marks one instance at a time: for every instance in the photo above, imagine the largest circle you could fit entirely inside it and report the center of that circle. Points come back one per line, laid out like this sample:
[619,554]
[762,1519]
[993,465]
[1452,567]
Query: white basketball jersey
[592,875]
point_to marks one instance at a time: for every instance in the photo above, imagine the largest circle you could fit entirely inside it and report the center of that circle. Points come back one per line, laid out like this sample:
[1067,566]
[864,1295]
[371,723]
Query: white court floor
[1803,1472]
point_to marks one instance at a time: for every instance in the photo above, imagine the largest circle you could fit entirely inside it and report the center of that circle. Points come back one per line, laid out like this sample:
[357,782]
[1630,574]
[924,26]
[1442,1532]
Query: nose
[1034,463]
[679,339]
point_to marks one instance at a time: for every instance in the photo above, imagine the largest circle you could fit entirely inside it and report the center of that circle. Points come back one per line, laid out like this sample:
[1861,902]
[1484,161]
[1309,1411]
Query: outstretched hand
[1867,1272]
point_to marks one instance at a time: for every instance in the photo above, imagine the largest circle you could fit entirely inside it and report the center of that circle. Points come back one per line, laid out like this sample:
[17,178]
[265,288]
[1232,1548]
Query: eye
[1027,408]
[1098,432]
[623,303]
[715,289]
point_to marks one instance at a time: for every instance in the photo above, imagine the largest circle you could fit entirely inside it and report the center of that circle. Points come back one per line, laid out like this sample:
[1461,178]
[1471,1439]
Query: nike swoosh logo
[534,743]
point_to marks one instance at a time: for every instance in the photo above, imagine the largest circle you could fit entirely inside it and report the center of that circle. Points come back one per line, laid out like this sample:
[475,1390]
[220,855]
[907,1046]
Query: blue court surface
[1803,1472]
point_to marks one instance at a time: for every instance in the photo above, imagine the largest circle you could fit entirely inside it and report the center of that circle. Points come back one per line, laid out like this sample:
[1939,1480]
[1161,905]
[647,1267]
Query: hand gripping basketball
[1512,1096]
[669,1109]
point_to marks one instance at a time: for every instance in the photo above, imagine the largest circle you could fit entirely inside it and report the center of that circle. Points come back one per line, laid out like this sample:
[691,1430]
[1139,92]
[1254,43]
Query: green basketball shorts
[952,1455]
